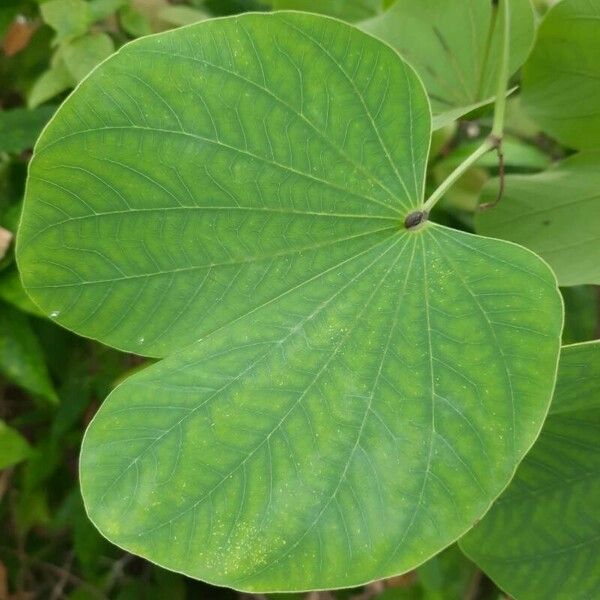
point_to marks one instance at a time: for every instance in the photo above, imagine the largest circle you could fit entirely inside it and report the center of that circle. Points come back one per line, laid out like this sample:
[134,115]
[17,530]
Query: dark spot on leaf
[415,218]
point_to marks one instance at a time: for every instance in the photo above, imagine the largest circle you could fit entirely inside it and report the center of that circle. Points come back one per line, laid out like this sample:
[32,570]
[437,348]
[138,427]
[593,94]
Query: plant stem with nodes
[492,142]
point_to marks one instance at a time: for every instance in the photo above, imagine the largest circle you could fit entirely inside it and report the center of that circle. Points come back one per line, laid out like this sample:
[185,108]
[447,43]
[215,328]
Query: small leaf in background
[21,357]
[134,22]
[182,15]
[12,292]
[555,213]
[449,45]
[20,127]
[101,9]
[517,155]
[440,139]
[578,382]
[541,539]
[13,446]
[69,18]
[463,196]
[561,80]
[81,55]
[446,576]
[347,10]
[582,313]
[31,510]
[51,82]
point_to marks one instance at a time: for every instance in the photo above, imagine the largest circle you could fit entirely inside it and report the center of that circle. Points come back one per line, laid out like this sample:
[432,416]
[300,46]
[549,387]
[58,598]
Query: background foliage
[51,382]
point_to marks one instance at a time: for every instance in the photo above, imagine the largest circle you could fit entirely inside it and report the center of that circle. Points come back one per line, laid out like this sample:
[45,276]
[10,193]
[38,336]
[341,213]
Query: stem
[488,144]
[500,106]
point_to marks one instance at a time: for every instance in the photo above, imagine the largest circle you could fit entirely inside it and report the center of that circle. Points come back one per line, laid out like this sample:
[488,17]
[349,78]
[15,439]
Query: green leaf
[12,292]
[181,15]
[13,446]
[342,397]
[446,576]
[83,54]
[348,10]
[69,18]
[561,80]
[101,9]
[450,46]
[517,154]
[21,357]
[49,84]
[555,213]
[541,539]
[582,313]
[134,22]
[578,382]
[20,127]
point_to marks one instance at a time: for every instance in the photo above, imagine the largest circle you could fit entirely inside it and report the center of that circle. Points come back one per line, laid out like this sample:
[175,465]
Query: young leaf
[556,213]
[455,46]
[541,539]
[582,313]
[69,18]
[50,83]
[12,292]
[21,357]
[20,127]
[83,54]
[348,10]
[13,446]
[343,397]
[182,15]
[561,80]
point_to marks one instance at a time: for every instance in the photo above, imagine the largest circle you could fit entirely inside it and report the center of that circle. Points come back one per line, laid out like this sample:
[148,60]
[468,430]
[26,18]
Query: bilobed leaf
[555,213]
[342,397]
[561,80]
[455,46]
[348,10]
[13,446]
[541,539]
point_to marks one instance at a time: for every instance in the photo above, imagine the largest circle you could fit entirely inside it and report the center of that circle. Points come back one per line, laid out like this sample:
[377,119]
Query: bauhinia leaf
[455,46]
[556,213]
[561,80]
[342,397]
[542,537]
